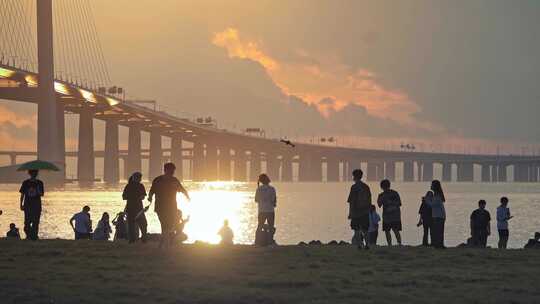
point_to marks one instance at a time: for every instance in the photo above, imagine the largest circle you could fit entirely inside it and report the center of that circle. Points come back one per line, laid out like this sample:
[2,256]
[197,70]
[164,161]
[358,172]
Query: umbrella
[38,165]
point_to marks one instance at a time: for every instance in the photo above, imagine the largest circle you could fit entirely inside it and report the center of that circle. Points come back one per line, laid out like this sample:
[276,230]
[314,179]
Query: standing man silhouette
[165,188]
[31,192]
[359,205]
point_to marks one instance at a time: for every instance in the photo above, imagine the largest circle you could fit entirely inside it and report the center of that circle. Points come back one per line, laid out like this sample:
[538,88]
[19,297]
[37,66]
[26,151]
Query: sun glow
[215,202]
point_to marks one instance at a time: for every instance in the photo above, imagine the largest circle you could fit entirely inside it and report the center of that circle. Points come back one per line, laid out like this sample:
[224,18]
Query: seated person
[179,227]
[103,229]
[534,243]
[13,232]
[226,234]
[120,225]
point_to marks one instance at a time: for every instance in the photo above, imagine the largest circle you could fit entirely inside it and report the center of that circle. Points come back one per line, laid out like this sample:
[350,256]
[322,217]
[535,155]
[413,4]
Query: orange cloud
[8,116]
[317,77]
[230,39]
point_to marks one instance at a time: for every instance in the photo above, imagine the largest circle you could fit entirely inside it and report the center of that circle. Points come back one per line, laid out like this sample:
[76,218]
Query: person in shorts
[165,188]
[359,204]
[390,201]
[480,225]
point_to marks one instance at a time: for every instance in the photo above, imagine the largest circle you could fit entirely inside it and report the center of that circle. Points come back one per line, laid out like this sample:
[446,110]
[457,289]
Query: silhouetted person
[31,191]
[534,243]
[373,230]
[134,194]
[503,215]
[480,225]
[438,214]
[82,224]
[266,200]
[359,204]
[165,188]
[390,201]
[103,229]
[226,234]
[120,226]
[180,224]
[425,217]
[13,232]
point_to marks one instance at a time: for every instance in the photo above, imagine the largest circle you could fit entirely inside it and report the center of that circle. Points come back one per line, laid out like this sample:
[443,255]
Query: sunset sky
[442,72]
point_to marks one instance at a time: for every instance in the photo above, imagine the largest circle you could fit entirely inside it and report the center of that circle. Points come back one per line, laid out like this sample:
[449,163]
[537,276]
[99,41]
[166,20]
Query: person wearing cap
[165,187]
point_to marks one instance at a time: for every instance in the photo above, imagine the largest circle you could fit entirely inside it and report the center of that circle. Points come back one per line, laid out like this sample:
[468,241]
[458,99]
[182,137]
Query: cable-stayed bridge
[50,55]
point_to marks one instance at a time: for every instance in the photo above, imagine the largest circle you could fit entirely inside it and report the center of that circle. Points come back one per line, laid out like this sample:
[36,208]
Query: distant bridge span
[211,153]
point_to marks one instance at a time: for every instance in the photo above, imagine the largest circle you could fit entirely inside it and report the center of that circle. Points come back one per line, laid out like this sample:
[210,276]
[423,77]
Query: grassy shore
[56,271]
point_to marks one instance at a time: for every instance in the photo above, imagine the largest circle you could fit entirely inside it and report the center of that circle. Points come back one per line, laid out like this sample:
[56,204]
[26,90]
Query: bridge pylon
[51,142]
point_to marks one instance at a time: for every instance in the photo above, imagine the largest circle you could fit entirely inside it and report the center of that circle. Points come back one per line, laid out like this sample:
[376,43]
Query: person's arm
[183,191]
[143,192]
[274,197]
[125,193]
[152,190]
[398,199]
[369,195]
[472,223]
[379,200]
[71,222]
[257,195]
[21,191]
[489,225]
[41,189]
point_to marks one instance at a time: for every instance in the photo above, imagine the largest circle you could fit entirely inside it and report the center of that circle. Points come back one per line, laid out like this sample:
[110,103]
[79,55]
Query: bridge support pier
[309,169]
[49,143]
[134,159]
[240,167]
[494,173]
[427,171]
[111,161]
[380,171]
[224,164]
[272,166]
[85,159]
[521,172]
[372,171]
[211,163]
[332,169]
[533,175]
[408,171]
[254,166]
[486,173]
[390,170]
[177,156]
[156,153]
[465,172]
[197,162]
[447,172]
[502,174]
[286,168]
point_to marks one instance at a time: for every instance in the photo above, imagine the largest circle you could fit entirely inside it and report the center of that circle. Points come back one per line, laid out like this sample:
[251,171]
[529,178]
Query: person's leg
[386,229]
[142,224]
[441,233]
[398,236]
[433,233]
[483,240]
[27,224]
[35,224]
[271,218]
[132,228]
[506,237]
[425,241]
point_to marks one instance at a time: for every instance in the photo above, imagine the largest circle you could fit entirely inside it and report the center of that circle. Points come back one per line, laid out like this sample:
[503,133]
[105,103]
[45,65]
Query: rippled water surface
[305,211]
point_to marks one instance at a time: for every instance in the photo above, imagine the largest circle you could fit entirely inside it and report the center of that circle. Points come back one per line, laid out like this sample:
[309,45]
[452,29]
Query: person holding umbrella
[31,191]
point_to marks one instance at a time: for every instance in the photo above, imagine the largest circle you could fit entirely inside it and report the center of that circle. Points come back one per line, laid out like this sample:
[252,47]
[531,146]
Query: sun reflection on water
[212,203]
